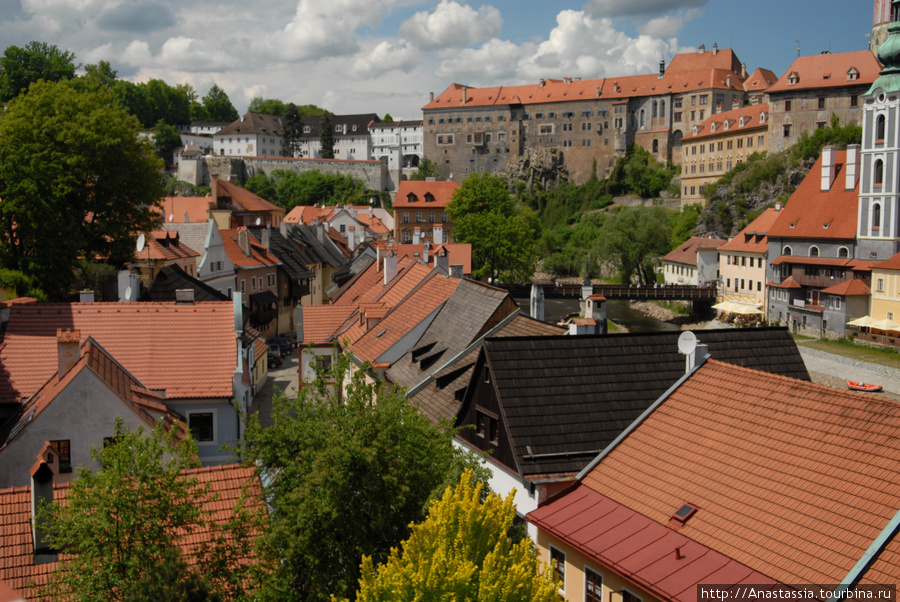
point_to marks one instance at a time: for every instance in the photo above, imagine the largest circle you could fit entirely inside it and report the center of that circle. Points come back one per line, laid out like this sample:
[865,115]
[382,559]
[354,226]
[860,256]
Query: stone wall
[374,174]
[633,201]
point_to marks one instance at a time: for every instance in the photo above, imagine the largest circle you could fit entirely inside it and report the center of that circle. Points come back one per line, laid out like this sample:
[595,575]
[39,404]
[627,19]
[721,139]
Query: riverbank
[664,314]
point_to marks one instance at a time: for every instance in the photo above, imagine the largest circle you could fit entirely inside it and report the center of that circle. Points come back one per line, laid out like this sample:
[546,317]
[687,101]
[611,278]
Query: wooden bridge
[619,291]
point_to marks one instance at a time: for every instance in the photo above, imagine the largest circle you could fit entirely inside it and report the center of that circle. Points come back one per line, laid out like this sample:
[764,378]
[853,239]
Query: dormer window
[793,78]
[429,198]
[762,117]
[411,197]
[852,74]
[306,129]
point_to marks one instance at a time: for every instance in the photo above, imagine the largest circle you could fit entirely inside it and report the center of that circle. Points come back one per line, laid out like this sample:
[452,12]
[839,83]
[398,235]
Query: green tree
[462,551]
[292,126]
[387,118]
[166,103]
[121,526]
[76,181]
[101,75]
[348,471]
[326,137]
[504,236]
[165,140]
[218,106]
[683,224]
[132,98]
[312,187]
[635,237]
[427,169]
[260,184]
[268,106]
[21,67]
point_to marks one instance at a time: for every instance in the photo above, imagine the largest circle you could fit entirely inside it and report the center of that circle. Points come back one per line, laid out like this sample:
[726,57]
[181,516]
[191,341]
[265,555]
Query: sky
[386,56]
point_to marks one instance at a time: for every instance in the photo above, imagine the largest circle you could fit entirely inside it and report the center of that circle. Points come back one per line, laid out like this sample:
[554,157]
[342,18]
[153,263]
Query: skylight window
[684,513]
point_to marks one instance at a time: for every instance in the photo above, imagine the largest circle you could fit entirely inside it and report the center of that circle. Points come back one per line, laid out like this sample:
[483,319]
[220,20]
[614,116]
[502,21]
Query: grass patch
[875,355]
[682,308]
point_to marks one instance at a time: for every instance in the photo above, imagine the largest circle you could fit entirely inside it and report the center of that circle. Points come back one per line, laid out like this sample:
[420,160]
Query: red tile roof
[17,566]
[188,351]
[686,252]
[891,263]
[458,253]
[306,214]
[244,199]
[259,255]
[728,123]
[788,282]
[196,208]
[759,80]
[813,213]
[165,245]
[753,238]
[829,71]
[320,322]
[441,191]
[848,288]
[791,479]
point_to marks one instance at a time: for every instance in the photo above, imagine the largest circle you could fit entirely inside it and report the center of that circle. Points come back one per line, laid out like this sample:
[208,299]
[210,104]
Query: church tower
[878,225]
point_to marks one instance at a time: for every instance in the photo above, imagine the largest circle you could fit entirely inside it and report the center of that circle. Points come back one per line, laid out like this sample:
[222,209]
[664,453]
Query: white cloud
[669,25]
[452,25]
[384,57]
[494,62]
[137,54]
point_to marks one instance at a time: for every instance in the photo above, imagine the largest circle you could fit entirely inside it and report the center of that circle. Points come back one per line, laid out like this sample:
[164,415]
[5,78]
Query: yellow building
[885,300]
[717,145]
[742,262]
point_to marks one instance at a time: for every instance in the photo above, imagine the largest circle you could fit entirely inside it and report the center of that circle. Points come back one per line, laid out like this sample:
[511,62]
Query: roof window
[684,513]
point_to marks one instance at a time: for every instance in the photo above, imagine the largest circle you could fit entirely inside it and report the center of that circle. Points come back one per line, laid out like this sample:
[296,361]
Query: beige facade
[885,300]
[743,277]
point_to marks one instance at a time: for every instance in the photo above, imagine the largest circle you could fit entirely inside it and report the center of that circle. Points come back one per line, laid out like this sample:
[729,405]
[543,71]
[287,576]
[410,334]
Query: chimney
[426,250]
[743,70]
[351,237]
[543,81]
[371,212]
[437,234]
[662,68]
[417,236]
[267,236]
[442,259]
[214,188]
[43,476]
[702,48]
[327,226]
[778,206]
[464,94]
[828,168]
[86,296]
[852,166]
[244,241]
[432,96]
[68,344]
[537,302]
[390,267]
[184,296]
[728,81]
[456,271]
[715,48]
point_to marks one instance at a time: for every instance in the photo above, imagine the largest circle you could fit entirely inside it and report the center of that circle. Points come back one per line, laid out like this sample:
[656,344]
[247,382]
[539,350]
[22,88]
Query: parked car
[274,358]
[283,344]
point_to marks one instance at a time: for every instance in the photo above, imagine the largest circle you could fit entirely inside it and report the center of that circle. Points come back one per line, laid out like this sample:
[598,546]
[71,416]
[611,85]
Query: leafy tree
[76,181]
[427,169]
[683,224]
[462,551]
[165,140]
[634,237]
[326,137]
[311,187]
[269,106]
[196,109]
[347,471]
[21,67]
[387,118]
[166,103]
[259,184]
[292,126]
[101,75]
[132,98]
[121,526]
[218,106]
[503,235]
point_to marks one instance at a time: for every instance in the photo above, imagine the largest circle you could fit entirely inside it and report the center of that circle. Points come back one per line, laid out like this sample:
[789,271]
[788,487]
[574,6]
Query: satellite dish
[171,217]
[128,294]
[141,241]
[687,343]
[258,221]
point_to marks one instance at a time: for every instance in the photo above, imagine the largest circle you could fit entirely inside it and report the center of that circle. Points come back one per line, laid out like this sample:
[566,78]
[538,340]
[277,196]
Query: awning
[264,298]
[886,325]
[734,307]
[863,322]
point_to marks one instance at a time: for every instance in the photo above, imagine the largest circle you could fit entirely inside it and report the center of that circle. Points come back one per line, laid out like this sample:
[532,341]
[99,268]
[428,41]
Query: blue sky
[385,56]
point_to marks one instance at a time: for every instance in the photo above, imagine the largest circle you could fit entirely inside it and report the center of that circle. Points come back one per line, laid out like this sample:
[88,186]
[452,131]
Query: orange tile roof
[728,123]
[188,351]
[753,238]
[93,357]
[847,288]
[829,71]
[759,80]
[196,208]
[724,59]
[458,253]
[442,191]
[17,567]
[307,214]
[790,478]
[788,282]
[320,322]
[812,213]
[246,200]
[686,252]
[891,263]
[430,295]
[259,255]
[165,245]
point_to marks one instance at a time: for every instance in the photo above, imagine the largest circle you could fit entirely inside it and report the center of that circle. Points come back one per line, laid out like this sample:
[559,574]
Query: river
[618,311]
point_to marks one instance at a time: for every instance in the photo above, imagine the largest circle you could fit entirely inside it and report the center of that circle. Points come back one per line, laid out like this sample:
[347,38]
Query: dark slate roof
[319,251]
[293,259]
[437,396]
[563,399]
[463,318]
[253,123]
[361,122]
[172,278]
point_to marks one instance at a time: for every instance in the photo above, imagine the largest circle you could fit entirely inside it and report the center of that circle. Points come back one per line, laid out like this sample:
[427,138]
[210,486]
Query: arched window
[642,117]
[654,108]
[814,251]
[879,128]
[843,253]
[662,108]
[786,250]
[676,137]
[655,145]
[876,216]
[879,173]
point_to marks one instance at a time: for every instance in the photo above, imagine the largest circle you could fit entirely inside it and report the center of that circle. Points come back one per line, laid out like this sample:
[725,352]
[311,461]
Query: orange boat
[856,386]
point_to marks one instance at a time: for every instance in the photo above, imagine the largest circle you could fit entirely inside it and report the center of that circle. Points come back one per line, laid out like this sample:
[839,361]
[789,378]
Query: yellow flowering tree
[461,551]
